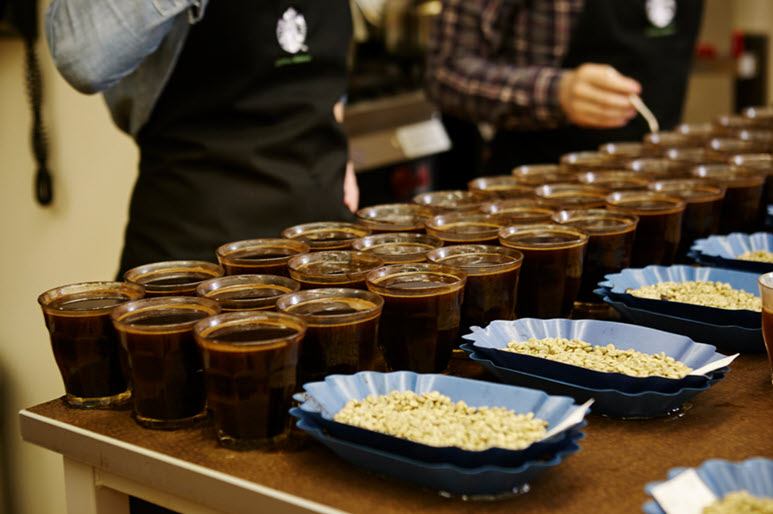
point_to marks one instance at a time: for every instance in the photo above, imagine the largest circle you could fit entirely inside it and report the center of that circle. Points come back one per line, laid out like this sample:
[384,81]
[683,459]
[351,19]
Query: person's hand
[351,189]
[596,95]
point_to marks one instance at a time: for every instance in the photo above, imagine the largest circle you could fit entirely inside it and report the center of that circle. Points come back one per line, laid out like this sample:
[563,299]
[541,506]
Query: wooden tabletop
[732,420]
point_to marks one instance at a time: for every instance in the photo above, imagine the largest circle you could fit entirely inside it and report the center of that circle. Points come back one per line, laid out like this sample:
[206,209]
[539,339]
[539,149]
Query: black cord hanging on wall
[20,17]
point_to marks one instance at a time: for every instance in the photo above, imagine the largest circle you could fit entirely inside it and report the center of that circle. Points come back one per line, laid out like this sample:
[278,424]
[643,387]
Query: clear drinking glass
[251,368]
[84,342]
[766,292]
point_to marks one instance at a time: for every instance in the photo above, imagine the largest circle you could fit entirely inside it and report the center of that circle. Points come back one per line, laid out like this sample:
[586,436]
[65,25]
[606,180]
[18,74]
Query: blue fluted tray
[490,341]
[322,400]
[633,278]
[727,338]
[721,477]
[723,251]
[483,482]
[608,402]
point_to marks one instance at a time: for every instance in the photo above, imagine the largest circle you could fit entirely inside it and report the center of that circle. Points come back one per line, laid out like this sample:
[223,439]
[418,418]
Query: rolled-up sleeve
[96,43]
[469,75]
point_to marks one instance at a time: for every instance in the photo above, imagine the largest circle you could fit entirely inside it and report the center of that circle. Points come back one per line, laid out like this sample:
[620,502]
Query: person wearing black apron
[650,41]
[243,142]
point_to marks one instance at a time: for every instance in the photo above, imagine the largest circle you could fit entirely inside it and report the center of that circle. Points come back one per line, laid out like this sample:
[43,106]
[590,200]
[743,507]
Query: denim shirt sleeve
[96,43]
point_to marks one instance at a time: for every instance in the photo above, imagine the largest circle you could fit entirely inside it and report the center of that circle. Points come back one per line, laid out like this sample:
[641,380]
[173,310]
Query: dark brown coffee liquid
[264,254]
[418,333]
[250,391]
[85,345]
[488,297]
[657,238]
[76,303]
[607,253]
[331,235]
[256,292]
[337,348]
[182,279]
[741,209]
[166,367]
[173,283]
[258,261]
[701,219]
[255,334]
[549,281]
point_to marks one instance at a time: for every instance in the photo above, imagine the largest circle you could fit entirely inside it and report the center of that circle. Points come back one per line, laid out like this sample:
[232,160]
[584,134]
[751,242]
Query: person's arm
[351,189]
[95,43]
[597,96]
[467,78]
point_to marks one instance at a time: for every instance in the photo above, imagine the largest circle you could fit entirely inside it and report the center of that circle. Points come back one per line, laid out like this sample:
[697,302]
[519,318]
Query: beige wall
[77,238]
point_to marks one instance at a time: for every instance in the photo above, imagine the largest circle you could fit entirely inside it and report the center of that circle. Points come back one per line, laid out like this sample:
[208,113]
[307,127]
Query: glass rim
[506,232]
[627,221]
[713,191]
[202,328]
[614,200]
[45,298]
[228,283]
[298,298]
[378,275]
[137,307]
[440,254]
[297,233]
[417,213]
[492,185]
[137,273]
[225,252]
[378,244]
[766,280]
[441,225]
[443,200]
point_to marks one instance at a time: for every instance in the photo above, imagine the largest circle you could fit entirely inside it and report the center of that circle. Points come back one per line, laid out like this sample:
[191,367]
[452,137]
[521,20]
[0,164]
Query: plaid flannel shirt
[498,61]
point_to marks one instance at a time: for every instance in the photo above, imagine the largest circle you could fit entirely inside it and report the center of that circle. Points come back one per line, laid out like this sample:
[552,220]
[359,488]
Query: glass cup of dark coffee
[660,224]
[492,280]
[326,235]
[85,344]
[247,292]
[250,368]
[259,256]
[342,330]
[742,207]
[394,217]
[422,309]
[702,213]
[553,258]
[396,247]
[173,278]
[340,268]
[165,366]
[609,250]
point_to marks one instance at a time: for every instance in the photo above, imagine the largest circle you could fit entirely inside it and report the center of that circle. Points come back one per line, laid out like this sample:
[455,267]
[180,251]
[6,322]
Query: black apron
[620,34]
[243,142]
